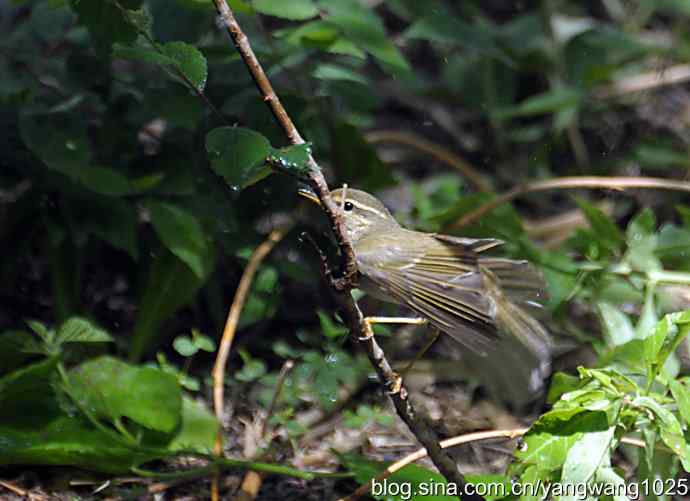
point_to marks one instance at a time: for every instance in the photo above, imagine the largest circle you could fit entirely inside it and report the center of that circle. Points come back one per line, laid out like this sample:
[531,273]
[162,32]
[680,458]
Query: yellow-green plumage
[446,279]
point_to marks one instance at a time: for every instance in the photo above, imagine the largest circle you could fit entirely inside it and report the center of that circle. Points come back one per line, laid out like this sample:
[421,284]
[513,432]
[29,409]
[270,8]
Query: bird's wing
[438,279]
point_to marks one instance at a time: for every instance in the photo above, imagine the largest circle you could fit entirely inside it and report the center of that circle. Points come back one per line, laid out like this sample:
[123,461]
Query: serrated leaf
[238,154]
[295,10]
[182,233]
[190,61]
[81,330]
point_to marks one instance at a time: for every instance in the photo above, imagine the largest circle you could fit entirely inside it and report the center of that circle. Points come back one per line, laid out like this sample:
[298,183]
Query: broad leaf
[238,155]
[114,389]
[182,233]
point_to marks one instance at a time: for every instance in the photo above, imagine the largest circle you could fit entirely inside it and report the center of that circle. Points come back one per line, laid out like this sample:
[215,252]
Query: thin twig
[316,179]
[574,182]
[358,328]
[11,487]
[443,154]
[229,332]
[467,438]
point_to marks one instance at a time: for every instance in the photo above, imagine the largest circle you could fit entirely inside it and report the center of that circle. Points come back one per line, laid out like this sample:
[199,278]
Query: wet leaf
[238,155]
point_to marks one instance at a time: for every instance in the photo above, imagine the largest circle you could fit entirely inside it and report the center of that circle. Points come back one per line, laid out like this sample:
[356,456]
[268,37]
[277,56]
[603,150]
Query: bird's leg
[435,333]
[370,321]
[391,320]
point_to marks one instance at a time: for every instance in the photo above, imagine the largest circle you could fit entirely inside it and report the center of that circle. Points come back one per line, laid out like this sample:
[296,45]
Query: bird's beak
[307,193]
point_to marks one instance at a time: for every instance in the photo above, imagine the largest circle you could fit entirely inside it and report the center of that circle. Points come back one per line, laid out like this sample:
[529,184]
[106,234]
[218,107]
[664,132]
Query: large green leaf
[586,457]
[170,285]
[198,430]
[182,233]
[68,441]
[114,389]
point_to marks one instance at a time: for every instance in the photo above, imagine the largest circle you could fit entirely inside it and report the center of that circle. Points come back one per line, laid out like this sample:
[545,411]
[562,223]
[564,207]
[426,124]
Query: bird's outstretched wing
[447,281]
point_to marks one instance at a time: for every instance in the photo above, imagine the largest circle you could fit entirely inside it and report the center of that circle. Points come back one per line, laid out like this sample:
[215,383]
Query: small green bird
[476,299]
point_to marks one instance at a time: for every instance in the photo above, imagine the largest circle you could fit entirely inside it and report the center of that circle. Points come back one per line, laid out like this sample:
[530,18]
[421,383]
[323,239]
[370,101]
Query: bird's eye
[348,206]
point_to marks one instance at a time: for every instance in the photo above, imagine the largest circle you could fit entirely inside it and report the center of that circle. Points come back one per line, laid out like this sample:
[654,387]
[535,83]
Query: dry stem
[567,183]
[441,153]
[229,333]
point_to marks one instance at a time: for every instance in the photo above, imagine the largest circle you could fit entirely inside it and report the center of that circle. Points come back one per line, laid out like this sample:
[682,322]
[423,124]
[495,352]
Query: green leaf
[202,342]
[607,234]
[329,328]
[113,220]
[354,158]
[238,154]
[681,393]
[294,9]
[659,155]
[443,27]
[103,180]
[182,233]
[617,325]
[252,369]
[293,159]
[12,349]
[26,389]
[113,389]
[58,139]
[184,346]
[170,285]
[608,475]
[561,383]
[364,28]
[585,457]
[669,428]
[143,54]
[665,338]
[106,22]
[81,330]
[190,61]
[68,441]
[552,101]
[198,429]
